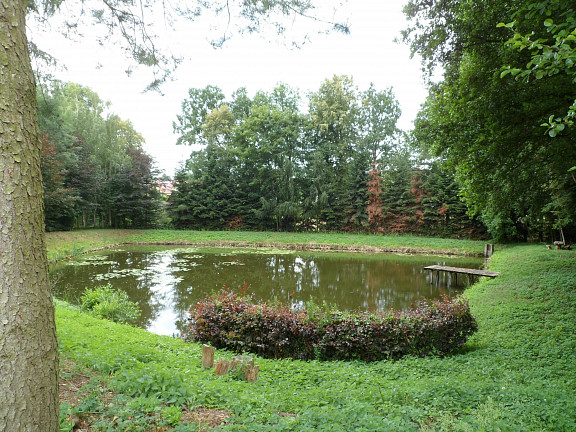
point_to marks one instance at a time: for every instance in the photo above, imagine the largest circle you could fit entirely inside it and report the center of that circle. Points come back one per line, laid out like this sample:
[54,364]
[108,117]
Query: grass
[515,374]
[66,244]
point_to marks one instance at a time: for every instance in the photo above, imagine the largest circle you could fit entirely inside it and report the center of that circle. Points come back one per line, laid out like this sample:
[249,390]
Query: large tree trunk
[28,348]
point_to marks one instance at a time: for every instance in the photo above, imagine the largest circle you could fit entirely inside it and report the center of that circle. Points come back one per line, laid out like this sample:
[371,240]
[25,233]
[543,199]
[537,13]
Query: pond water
[167,281]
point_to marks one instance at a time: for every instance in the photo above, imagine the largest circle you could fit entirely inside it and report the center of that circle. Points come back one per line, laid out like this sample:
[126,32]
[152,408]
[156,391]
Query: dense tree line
[502,115]
[94,169]
[265,164]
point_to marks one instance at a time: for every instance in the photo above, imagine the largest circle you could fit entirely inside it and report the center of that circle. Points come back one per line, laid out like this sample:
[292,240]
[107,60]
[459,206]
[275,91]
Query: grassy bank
[515,374]
[64,244]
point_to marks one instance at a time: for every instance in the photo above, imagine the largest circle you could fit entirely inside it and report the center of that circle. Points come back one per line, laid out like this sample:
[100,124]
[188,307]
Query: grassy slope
[517,372]
[62,244]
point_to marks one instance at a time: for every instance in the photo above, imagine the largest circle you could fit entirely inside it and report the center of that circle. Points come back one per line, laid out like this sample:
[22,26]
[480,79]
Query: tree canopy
[487,128]
[552,52]
[95,171]
[264,163]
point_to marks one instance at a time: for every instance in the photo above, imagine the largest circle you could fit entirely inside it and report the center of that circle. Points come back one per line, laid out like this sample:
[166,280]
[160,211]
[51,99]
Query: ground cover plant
[515,373]
[109,303]
[88,404]
[232,319]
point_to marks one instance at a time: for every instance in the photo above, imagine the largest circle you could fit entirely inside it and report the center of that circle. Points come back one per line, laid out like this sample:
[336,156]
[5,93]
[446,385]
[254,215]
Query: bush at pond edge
[109,303]
[234,321]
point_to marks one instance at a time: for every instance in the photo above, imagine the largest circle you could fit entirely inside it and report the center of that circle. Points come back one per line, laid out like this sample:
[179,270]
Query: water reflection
[167,281]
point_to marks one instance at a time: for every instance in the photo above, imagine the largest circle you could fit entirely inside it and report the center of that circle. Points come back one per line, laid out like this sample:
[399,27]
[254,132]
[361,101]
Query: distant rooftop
[166,187]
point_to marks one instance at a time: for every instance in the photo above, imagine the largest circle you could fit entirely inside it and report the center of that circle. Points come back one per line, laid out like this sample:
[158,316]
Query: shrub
[436,327]
[109,303]
[234,321]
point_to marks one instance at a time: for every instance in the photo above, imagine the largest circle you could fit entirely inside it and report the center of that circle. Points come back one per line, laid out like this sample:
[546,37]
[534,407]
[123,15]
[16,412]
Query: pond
[167,281]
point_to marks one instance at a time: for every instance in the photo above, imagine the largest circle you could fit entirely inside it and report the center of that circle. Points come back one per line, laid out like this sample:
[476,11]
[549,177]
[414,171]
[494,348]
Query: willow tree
[28,347]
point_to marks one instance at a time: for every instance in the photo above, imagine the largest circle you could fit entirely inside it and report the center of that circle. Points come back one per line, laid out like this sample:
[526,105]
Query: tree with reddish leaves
[374,208]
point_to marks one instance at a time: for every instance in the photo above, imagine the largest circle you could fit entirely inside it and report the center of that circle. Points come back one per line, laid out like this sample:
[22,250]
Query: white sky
[368,54]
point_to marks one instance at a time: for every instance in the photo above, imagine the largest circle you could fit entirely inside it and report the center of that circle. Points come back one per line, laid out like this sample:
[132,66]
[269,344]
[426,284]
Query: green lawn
[63,244]
[518,373]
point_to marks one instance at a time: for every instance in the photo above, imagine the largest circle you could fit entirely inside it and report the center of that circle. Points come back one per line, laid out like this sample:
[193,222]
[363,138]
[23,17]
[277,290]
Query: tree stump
[208,356]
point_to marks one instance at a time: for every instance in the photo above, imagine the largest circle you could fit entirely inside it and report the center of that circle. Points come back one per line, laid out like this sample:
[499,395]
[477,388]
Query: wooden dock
[457,270]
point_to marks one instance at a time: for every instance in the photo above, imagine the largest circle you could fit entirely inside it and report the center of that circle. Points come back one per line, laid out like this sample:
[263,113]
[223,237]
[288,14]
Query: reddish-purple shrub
[234,321]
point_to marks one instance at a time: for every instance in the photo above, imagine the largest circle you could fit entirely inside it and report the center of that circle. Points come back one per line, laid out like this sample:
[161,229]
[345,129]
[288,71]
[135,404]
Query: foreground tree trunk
[28,348]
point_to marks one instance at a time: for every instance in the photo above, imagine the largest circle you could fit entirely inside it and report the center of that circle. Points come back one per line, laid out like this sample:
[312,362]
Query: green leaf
[509,25]
[549,22]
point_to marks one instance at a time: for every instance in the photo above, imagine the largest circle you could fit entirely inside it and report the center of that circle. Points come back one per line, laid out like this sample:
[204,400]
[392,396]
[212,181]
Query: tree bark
[28,347]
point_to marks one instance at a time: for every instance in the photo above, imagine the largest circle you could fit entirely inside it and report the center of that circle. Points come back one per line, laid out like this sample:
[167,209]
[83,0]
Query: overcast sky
[368,54]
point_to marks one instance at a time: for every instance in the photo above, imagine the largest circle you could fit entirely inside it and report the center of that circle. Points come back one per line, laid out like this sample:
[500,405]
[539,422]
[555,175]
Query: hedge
[233,320]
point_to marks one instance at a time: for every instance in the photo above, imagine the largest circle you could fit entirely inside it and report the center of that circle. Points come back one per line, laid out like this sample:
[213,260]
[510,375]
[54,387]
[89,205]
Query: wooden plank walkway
[457,270]
[468,271]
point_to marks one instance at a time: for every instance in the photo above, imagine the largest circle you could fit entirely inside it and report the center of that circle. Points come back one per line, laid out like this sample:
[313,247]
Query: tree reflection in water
[167,281]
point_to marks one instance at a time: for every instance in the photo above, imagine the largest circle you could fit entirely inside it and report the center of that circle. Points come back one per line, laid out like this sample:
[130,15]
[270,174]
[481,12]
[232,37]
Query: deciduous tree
[486,128]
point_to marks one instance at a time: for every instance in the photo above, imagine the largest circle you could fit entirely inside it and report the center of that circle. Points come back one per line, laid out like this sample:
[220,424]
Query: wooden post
[488,250]
[240,361]
[235,363]
[251,372]
[222,367]
[208,356]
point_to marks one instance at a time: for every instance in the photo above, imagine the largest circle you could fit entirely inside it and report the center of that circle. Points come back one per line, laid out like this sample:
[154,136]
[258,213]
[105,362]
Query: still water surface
[166,281]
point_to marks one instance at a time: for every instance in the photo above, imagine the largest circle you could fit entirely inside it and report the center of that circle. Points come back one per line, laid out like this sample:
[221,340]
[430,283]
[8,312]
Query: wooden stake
[222,367]
[235,363]
[244,359]
[251,372]
[488,250]
[208,356]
